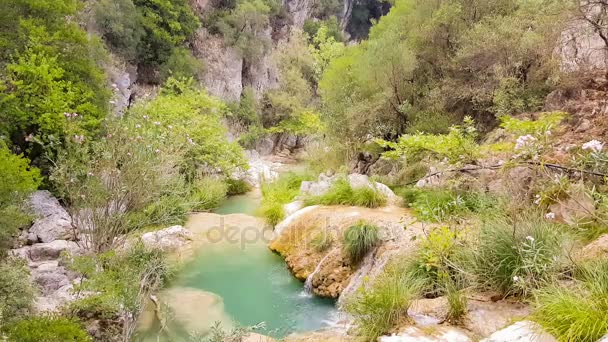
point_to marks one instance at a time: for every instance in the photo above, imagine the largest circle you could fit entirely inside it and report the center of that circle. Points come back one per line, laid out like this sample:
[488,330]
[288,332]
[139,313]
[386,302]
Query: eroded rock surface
[523,331]
[167,239]
[53,221]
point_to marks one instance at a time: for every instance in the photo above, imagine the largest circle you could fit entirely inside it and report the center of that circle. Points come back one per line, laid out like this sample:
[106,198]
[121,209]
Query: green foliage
[577,312]
[538,128]
[119,25]
[341,193]
[17,181]
[185,113]
[278,193]
[322,242]
[457,146]
[438,205]
[377,308]
[16,291]
[237,187]
[360,239]
[208,193]
[436,263]
[430,122]
[457,302]
[167,24]
[181,64]
[325,48]
[118,283]
[46,329]
[312,26]
[518,255]
[50,68]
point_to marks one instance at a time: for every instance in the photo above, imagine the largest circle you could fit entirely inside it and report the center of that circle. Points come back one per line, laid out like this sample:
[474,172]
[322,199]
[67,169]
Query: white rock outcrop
[167,239]
[522,331]
[53,223]
[260,170]
[356,181]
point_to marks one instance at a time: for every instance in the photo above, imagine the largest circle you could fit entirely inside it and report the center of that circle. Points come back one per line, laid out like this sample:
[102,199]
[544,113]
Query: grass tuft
[578,312]
[341,193]
[377,308]
[359,239]
[278,193]
[322,242]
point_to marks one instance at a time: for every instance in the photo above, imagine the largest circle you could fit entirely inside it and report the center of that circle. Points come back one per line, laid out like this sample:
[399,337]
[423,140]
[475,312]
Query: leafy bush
[18,181]
[181,64]
[341,193]
[378,307]
[360,239]
[437,262]
[46,329]
[119,284]
[431,122]
[118,22]
[278,193]
[518,255]
[438,205]
[208,193]
[237,187]
[16,291]
[322,242]
[457,146]
[577,312]
[545,122]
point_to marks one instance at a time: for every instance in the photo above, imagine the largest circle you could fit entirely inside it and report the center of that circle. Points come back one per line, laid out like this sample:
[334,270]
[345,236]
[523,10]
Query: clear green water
[254,283]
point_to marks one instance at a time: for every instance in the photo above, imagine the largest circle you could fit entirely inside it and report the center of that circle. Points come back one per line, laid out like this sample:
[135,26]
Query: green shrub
[46,329]
[322,242]
[457,302]
[208,193]
[16,291]
[431,123]
[438,205]
[341,193]
[577,312]
[278,193]
[237,187]
[359,239]
[18,181]
[118,22]
[377,308]
[517,255]
[181,64]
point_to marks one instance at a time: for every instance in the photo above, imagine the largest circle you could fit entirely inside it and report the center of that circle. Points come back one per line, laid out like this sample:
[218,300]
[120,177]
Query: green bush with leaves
[208,193]
[458,145]
[278,193]
[439,205]
[360,239]
[577,312]
[516,255]
[47,329]
[119,284]
[119,25]
[16,290]
[341,193]
[237,187]
[19,180]
[377,308]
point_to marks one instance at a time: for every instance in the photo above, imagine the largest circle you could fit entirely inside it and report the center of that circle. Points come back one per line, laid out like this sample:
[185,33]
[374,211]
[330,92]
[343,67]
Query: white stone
[52,250]
[415,334]
[292,207]
[522,331]
[167,239]
[53,223]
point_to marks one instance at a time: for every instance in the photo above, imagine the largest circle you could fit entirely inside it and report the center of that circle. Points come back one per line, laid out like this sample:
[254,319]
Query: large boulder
[167,239]
[53,221]
[437,334]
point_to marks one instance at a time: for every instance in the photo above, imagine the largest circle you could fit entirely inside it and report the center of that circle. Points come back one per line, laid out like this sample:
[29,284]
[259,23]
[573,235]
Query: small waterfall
[308,282]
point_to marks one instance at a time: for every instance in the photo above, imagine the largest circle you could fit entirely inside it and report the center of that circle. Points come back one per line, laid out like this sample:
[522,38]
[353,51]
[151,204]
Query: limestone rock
[167,239]
[253,337]
[523,331]
[223,66]
[438,334]
[578,207]
[53,223]
[51,250]
[595,250]
[260,170]
[292,207]
[300,10]
[604,339]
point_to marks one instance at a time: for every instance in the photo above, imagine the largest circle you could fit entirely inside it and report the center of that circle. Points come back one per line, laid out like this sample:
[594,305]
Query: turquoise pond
[253,285]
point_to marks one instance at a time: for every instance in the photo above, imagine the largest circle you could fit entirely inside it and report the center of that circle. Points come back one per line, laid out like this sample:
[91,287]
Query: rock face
[53,221]
[223,66]
[260,170]
[300,10]
[167,239]
[331,272]
[580,47]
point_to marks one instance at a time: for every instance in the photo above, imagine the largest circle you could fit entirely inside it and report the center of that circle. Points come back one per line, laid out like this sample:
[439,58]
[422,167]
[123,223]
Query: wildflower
[90,174]
[593,145]
[114,85]
[550,216]
[524,141]
[112,102]
[157,151]
[529,238]
[129,154]
[515,279]
[138,126]
[156,123]
[537,199]
[79,139]
[109,136]
[170,127]
[29,138]
[146,117]
[191,141]
[548,133]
